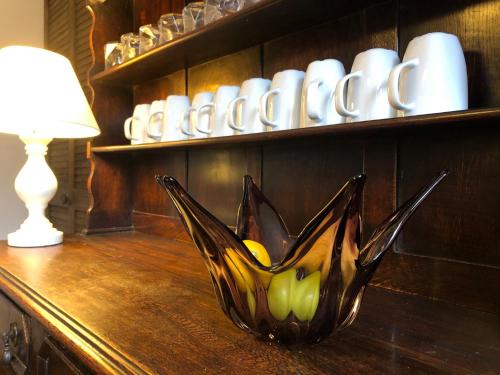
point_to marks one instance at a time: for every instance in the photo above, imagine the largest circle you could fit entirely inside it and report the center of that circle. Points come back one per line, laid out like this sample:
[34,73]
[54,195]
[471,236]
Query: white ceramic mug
[154,126]
[175,107]
[134,127]
[280,106]
[432,77]
[189,119]
[317,105]
[243,111]
[217,125]
[367,90]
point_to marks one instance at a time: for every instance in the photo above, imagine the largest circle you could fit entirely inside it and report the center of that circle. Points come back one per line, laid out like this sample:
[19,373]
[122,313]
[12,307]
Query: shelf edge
[394,124]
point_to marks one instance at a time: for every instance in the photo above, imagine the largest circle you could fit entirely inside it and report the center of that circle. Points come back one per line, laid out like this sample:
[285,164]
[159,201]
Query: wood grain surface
[134,303]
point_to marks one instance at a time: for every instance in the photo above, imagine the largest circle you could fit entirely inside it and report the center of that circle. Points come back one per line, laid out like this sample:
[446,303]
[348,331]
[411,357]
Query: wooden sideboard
[139,300]
[448,251]
[134,303]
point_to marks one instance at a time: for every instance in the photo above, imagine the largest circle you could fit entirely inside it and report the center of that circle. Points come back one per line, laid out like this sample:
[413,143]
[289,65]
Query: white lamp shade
[40,96]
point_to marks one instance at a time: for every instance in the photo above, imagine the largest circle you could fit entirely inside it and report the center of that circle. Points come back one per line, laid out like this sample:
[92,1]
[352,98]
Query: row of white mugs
[432,78]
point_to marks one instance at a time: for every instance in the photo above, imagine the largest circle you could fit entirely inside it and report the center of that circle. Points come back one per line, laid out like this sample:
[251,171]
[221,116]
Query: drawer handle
[9,339]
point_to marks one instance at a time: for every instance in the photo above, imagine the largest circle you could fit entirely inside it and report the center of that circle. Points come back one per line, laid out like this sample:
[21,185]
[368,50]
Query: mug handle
[148,127]
[312,100]
[231,109]
[186,116]
[209,107]
[263,108]
[393,85]
[126,128]
[339,95]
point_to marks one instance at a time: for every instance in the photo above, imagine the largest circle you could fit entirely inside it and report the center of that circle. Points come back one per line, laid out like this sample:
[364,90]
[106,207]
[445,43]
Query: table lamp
[40,99]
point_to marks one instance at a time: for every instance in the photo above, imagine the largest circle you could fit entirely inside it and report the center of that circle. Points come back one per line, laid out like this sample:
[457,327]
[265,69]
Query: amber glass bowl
[291,289]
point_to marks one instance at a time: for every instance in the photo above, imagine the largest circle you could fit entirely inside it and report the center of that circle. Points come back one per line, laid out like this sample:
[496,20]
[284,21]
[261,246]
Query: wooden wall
[448,249]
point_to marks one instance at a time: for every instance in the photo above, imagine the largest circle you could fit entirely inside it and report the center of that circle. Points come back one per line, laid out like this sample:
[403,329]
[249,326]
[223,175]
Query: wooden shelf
[256,24]
[460,118]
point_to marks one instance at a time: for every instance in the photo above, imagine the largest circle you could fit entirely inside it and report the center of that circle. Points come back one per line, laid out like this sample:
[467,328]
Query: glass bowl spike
[301,289]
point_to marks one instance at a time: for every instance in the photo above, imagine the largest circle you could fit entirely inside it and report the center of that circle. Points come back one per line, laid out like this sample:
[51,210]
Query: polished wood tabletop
[135,303]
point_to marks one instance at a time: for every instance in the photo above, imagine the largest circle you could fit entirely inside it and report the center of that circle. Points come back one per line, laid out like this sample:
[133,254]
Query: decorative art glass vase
[291,289]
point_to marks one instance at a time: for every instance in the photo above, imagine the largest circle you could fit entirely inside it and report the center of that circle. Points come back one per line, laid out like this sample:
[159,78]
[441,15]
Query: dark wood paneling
[149,11]
[215,178]
[379,195]
[341,39]
[112,19]
[111,107]
[173,84]
[476,25]
[228,70]
[159,225]
[110,186]
[456,282]
[300,178]
[461,220]
[148,195]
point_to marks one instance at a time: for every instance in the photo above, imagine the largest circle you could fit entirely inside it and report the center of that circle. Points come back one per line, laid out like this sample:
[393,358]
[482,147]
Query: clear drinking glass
[192,15]
[215,9]
[171,25]
[149,38]
[113,54]
[131,44]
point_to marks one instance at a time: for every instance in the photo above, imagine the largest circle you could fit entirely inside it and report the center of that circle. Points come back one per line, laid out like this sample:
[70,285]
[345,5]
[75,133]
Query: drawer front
[53,360]
[15,333]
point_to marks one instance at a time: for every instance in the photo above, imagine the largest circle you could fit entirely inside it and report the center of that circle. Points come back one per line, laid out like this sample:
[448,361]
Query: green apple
[306,297]
[279,294]
[286,294]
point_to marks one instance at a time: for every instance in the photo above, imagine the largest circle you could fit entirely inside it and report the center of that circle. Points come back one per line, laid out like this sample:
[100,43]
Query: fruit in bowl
[292,289]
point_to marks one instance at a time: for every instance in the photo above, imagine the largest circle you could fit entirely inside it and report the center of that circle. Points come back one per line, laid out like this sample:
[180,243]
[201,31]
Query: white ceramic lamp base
[36,185]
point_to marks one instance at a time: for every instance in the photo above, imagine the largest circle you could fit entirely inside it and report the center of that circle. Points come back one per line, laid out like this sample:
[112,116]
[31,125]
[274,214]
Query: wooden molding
[90,349]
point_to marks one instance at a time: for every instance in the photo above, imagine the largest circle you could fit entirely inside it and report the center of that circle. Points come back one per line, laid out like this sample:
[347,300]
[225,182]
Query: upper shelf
[258,23]
[424,121]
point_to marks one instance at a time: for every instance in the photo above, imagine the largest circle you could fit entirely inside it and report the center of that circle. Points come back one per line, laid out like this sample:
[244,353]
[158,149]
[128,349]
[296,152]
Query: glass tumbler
[192,15]
[113,54]
[171,26]
[130,43]
[215,9]
[149,38]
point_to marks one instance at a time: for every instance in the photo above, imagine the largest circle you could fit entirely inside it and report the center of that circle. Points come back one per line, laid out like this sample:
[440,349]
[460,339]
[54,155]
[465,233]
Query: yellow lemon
[259,252]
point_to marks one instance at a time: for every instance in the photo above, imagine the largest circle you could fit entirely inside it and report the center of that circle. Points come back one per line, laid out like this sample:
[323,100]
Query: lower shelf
[396,124]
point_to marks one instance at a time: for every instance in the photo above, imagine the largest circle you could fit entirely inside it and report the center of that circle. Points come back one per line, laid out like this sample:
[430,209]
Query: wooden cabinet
[446,252]
[132,303]
[15,332]
[30,350]
[52,360]
[446,264]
